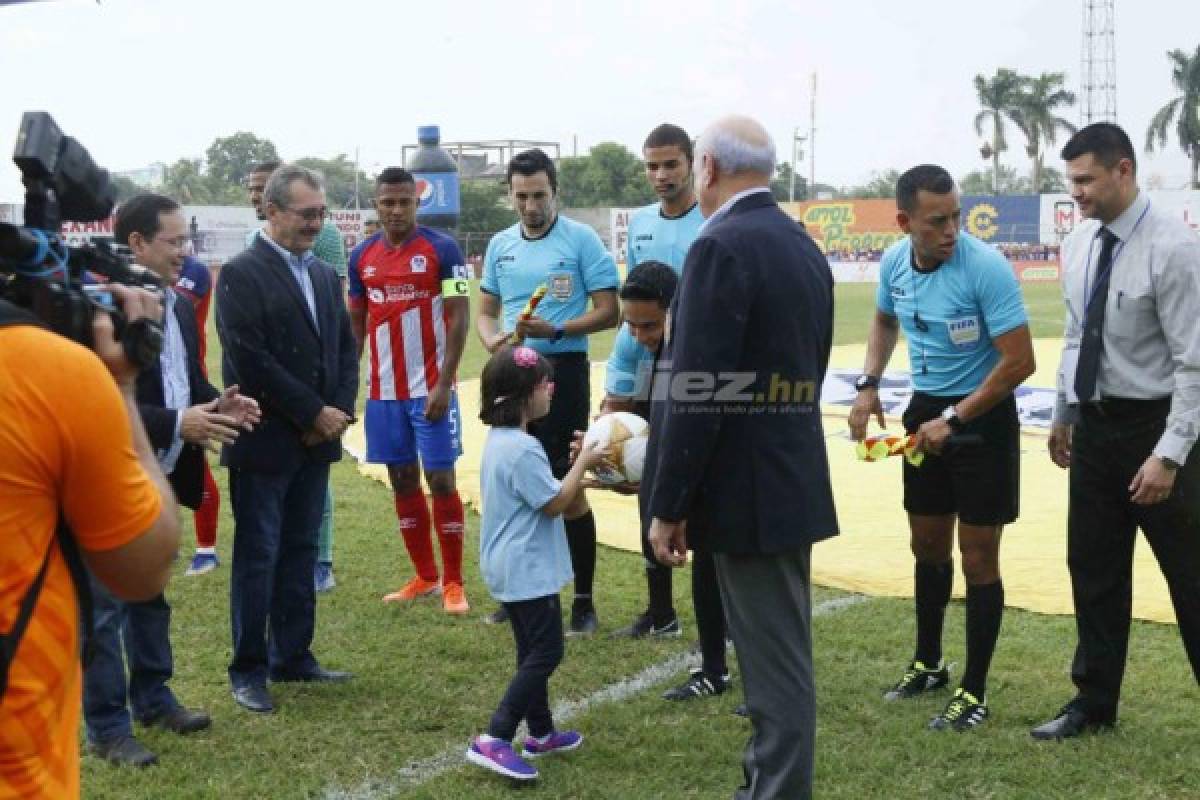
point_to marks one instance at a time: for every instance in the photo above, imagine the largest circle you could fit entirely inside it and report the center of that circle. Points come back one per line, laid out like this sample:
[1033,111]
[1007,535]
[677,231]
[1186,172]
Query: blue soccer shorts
[397,433]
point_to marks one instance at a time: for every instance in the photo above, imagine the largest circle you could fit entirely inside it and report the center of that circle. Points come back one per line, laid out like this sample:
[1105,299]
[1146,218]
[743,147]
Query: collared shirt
[652,236]
[176,390]
[728,204]
[568,259]
[299,266]
[951,316]
[1151,335]
[328,246]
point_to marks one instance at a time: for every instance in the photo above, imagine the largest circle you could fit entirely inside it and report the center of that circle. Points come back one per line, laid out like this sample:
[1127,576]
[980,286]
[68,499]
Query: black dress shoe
[318,675]
[1069,723]
[254,698]
[124,751]
[179,720]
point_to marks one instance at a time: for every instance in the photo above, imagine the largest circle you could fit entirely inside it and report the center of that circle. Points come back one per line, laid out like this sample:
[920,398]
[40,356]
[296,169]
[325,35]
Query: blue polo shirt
[652,237]
[951,315]
[569,259]
[655,237]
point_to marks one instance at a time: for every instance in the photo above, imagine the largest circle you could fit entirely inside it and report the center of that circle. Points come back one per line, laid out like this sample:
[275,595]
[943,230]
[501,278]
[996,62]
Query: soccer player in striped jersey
[409,293]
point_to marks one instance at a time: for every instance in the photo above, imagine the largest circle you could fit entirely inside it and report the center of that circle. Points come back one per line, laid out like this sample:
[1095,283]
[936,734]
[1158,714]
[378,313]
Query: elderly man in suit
[287,342]
[182,413]
[742,471]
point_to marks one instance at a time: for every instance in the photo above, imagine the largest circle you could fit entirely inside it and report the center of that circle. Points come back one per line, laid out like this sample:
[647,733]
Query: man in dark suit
[182,413]
[287,342]
[742,471]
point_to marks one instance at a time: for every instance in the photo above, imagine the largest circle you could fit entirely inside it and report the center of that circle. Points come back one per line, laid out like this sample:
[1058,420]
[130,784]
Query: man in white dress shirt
[1127,415]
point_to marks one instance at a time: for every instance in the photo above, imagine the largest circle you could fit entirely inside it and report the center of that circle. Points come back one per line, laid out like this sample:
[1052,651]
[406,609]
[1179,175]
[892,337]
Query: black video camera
[40,272]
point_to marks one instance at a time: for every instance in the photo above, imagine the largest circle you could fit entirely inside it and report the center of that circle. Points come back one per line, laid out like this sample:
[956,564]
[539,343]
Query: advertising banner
[845,228]
[1004,218]
[618,227]
[437,193]
[1059,215]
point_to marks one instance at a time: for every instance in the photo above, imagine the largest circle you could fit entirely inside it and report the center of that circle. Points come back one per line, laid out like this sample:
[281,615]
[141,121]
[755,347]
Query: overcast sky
[139,81]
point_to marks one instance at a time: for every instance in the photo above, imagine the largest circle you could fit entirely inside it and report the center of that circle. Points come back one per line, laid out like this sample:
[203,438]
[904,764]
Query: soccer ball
[625,435]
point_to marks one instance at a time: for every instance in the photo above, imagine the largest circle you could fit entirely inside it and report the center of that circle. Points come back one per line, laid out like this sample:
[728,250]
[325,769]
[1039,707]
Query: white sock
[487,739]
[544,739]
[206,551]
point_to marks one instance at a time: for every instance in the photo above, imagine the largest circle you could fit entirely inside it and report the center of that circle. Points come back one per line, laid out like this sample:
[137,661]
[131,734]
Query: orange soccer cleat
[454,601]
[417,587]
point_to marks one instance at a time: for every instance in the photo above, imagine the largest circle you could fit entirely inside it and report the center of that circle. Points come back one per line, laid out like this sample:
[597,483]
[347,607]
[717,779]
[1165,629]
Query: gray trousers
[768,604]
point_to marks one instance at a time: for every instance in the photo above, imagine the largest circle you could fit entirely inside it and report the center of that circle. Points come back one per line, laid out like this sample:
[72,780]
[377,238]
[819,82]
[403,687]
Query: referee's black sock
[581,541]
[658,587]
[933,583]
[985,609]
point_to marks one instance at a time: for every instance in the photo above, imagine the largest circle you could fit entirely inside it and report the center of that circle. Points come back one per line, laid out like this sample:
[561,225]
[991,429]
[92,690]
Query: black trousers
[1110,444]
[537,628]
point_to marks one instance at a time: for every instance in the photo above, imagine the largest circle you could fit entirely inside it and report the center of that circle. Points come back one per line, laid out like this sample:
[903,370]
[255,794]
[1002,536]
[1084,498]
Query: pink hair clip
[525,357]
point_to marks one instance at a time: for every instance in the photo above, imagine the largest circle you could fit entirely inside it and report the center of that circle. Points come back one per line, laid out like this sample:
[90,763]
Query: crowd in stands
[1010,250]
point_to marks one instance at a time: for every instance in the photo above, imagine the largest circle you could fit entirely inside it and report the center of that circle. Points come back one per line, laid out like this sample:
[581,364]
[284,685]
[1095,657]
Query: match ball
[625,435]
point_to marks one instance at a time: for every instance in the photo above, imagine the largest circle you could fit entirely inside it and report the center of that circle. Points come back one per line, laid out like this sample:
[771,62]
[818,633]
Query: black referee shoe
[698,685]
[644,627]
[917,680]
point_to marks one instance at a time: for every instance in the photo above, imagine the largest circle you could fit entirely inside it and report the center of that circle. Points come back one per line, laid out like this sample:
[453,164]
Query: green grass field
[426,683]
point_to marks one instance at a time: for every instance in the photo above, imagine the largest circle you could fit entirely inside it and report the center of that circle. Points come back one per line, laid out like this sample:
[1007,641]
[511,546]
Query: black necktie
[1092,343]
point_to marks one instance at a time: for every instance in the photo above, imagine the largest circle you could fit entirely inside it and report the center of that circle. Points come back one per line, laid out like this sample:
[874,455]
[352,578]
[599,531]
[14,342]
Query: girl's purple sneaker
[556,742]
[498,756]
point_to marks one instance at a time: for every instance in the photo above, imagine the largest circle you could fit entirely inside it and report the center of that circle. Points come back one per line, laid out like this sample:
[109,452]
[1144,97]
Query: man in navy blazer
[287,343]
[741,468]
[182,412]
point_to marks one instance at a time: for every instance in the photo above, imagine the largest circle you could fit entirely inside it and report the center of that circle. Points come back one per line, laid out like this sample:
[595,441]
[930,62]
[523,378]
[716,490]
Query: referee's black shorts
[569,409]
[978,482]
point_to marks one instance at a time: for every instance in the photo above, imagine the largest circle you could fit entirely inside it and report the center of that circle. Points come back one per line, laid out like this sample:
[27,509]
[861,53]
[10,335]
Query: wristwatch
[865,381]
[950,414]
[1170,464]
[559,333]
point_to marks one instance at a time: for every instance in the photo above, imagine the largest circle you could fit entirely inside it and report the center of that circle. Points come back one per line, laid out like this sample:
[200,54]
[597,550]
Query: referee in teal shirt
[960,307]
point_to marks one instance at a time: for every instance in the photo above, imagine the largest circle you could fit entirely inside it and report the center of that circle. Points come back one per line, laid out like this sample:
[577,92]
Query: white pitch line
[420,772]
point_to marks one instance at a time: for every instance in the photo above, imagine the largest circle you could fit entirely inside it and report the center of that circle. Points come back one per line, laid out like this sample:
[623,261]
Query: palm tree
[1036,103]
[997,96]
[1185,109]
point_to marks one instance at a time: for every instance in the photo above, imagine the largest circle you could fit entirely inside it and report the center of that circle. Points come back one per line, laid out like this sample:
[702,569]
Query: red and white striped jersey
[403,290]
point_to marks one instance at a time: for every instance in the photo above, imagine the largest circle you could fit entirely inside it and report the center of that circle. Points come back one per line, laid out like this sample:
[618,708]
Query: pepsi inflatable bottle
[437,181]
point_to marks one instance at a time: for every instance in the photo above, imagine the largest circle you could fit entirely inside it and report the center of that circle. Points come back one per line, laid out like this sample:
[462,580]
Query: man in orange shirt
[71,443]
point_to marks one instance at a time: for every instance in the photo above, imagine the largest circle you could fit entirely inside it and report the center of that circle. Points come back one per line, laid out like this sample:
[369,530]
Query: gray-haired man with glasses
[287,342]
[330,248]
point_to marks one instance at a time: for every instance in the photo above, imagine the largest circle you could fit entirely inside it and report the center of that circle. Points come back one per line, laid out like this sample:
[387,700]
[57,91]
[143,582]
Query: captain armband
[459,285]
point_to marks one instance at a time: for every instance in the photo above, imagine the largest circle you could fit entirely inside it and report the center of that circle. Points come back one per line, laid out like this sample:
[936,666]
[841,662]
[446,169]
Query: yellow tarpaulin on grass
[871,555]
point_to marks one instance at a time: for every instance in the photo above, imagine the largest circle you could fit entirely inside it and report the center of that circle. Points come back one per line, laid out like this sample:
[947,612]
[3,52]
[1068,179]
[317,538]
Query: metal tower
[1098,77]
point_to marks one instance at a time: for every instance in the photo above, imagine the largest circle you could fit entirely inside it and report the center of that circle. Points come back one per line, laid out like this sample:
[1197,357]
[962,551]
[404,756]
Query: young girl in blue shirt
[523,554]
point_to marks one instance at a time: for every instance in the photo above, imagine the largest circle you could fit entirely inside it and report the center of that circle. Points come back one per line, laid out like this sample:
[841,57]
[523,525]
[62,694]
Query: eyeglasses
[178,242]
[309,214]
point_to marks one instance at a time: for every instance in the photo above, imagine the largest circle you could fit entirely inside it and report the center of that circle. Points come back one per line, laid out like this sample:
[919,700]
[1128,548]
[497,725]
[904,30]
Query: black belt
[1126,406]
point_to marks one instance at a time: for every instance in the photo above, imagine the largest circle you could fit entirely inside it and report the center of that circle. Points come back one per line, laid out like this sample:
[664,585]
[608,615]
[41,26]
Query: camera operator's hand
[201,424]
[134,304]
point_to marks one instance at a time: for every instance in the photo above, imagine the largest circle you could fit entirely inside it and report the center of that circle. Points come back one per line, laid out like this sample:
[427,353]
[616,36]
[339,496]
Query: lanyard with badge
[1070,358]
[1088,299]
